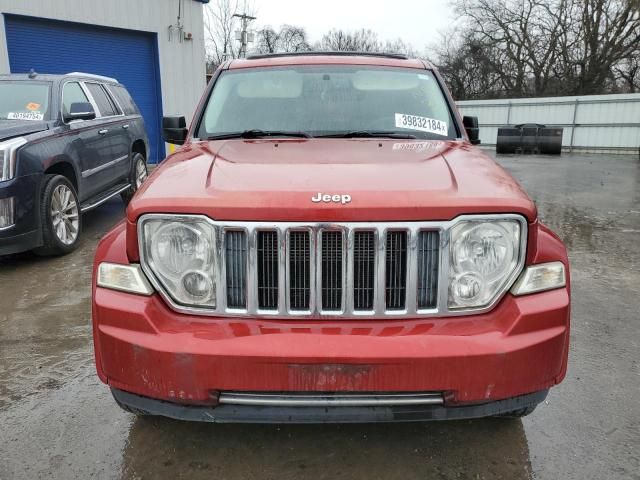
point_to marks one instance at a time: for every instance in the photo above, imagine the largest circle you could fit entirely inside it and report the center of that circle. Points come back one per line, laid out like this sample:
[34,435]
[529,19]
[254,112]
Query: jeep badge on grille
[326,198]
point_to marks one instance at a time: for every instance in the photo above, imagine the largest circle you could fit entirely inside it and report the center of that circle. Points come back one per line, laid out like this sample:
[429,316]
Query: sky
[417,22]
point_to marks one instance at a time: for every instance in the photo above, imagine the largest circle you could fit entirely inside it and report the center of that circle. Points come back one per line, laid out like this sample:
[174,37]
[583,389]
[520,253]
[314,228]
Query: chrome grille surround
[348,230]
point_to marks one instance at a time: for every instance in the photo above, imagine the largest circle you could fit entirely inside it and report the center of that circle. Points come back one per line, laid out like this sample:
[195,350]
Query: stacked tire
[529,138]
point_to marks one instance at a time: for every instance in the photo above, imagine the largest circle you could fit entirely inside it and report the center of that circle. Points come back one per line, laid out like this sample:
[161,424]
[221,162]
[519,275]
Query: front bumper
[25,233]
[143,347]
[251,414]
[147,350]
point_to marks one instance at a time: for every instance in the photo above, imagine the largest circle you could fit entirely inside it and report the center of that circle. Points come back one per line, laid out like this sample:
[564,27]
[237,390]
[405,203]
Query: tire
[519,413]
[137,176]
[60,216]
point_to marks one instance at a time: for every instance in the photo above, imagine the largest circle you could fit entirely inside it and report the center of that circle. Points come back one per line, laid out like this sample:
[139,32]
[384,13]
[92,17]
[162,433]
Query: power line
[244,35]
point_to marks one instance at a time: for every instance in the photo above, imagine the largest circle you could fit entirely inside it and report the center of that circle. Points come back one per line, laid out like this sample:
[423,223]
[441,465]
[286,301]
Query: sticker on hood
[36,116]
[422,124]
[418,146]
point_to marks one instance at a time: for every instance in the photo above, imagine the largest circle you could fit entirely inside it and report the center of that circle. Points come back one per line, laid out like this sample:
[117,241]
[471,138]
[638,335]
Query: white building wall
[182,64]
[590,122]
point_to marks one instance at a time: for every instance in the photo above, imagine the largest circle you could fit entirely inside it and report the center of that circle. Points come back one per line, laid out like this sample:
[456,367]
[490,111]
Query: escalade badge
[326,198]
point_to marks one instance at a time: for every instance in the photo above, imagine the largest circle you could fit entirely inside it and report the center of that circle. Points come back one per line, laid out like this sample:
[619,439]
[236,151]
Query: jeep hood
[16,128]
[275,180]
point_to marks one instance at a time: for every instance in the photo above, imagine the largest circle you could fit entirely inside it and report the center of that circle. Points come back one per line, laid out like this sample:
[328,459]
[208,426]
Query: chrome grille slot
[236,268]
[267,260]
[428,255]
[331,259]
[396,270]
[364,264]
[299,270]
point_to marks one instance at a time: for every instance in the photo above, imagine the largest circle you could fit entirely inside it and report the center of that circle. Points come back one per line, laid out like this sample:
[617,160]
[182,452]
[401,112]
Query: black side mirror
[473,131]
[80,111]
[174,129]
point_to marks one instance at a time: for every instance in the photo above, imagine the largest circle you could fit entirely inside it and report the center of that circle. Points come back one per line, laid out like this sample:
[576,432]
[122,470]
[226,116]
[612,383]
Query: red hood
[274,180]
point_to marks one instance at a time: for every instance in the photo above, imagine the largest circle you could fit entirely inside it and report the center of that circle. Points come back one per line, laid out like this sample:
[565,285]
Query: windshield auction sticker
[422,124]
[25,116]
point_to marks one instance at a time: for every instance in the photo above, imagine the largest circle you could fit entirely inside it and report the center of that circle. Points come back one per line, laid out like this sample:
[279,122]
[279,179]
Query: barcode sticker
[423,124]
[25,116]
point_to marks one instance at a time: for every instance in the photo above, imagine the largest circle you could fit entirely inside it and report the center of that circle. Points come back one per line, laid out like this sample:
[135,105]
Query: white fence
[591,123]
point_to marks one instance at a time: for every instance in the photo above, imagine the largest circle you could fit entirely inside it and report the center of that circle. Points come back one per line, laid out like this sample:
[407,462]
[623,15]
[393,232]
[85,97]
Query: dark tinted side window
[124,99]
[105,104]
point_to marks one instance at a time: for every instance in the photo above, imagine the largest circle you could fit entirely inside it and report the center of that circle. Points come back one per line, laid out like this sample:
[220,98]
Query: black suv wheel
[60,216]
[138,175]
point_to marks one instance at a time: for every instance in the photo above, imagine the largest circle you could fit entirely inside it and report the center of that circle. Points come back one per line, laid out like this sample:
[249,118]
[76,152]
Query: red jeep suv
[328,245]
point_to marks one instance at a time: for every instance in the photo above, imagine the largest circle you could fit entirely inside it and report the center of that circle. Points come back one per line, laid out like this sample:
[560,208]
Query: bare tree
[606,34]
[288,39]
[467,65]
[627,73]
[399,46]
[342,41]
[220,27]
[544,47]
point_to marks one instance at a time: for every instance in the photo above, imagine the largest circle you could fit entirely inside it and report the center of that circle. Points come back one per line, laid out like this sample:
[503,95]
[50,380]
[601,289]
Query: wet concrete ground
[58,421]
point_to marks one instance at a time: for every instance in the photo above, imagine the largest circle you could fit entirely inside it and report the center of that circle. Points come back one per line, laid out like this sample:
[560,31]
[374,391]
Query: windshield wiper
[256,133]
[369,134]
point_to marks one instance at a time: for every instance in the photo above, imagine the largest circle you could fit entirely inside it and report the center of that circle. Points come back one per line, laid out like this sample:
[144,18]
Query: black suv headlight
[8,153]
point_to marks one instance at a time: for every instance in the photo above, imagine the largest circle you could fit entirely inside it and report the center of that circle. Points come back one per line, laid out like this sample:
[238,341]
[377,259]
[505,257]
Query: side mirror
[174,130]
[473,131]
[80,111]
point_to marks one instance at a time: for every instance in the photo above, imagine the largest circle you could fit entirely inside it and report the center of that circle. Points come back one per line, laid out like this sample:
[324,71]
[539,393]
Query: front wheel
[138,175]
[60,216]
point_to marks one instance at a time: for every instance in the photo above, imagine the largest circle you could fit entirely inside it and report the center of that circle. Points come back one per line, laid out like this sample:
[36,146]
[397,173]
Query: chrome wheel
[141,172]
[64,214]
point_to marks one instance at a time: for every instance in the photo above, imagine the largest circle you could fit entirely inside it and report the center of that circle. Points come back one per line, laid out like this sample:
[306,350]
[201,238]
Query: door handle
[102,132]
[125,126]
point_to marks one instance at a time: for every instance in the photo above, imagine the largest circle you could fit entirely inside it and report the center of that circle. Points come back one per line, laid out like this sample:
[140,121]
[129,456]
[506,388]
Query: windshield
[323,100]
[24,100]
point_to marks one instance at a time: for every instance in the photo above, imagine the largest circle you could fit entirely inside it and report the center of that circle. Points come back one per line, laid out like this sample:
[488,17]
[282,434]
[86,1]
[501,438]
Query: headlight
[180,255]
[485,257]
[8,152]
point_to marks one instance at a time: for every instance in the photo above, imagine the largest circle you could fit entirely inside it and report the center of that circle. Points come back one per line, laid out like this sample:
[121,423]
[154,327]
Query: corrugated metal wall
[590,123]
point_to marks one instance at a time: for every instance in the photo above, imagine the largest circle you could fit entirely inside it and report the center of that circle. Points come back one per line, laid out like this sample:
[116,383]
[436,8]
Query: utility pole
[244,35]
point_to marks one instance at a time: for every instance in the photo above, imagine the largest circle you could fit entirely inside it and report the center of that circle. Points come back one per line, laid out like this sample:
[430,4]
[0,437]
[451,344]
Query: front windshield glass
[328,100]
[24,100]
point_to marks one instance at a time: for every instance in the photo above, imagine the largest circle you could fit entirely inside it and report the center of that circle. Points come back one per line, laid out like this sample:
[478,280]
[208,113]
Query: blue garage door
[50,46]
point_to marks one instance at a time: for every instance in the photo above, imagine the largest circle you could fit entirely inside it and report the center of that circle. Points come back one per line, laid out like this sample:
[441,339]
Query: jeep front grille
[267,253]
[331,261]
[396,270]
[352,270]
[299,270]
[364,270]
[236,267]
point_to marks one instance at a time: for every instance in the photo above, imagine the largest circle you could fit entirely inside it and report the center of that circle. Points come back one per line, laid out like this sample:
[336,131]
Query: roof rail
[91,75]
[398,56]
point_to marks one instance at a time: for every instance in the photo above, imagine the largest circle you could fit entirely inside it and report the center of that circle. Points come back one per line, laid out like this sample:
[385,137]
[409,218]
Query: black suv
[68,143]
